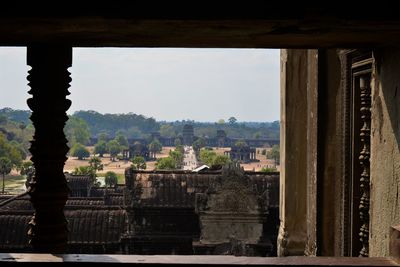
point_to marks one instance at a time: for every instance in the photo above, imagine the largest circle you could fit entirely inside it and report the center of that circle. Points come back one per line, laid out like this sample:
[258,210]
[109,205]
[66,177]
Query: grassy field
[13,184]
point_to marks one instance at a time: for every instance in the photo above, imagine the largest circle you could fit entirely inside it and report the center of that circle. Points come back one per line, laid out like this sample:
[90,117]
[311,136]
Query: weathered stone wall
[385,154]
[217,211]
[177,188]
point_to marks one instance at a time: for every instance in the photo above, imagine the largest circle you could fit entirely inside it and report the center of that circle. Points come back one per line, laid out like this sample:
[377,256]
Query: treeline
[131,125]
[16,115]
[233,129]
[85,124]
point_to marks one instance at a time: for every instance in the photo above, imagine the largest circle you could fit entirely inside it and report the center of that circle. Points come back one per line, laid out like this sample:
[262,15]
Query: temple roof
[89,226]
[178,189]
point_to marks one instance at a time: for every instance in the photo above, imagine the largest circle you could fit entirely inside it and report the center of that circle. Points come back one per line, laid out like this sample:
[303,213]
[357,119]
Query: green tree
[177,142]
[241,143]
[257,135]
[207,156]
[113,148]
[138,163]
[77,131]
[103,136]
[111,179]
[84,170]
[180,149]
[91,169]
[21,150]
[274,154]
[198,144]
[79,151]
[122,140]
[134,132]
[100,148]
[232,120]
[95,163]
[5,168]
[221,122]
[220,160]
[167,130]
[111,122]
[154,147]
[177,156]
[166,163]
[11,150]
[27,169]
[3,119]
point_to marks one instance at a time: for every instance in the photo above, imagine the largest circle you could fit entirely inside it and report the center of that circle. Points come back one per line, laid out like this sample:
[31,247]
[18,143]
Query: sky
[164,83]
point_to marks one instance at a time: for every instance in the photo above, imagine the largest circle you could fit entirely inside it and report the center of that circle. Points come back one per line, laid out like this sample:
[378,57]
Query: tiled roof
[99,226]
[13,231]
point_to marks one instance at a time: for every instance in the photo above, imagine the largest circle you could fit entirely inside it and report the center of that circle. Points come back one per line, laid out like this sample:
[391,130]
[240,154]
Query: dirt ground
[108,165]
[15,183]
[120,166]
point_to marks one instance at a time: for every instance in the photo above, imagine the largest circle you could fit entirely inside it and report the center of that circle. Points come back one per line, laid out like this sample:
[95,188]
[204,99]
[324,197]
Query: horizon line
[161,120]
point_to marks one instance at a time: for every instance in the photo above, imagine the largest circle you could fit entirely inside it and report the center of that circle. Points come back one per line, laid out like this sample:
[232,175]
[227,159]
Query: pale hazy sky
[166,84]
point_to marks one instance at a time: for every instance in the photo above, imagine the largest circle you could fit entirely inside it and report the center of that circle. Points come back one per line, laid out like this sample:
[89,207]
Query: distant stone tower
[188,134]
[221,138]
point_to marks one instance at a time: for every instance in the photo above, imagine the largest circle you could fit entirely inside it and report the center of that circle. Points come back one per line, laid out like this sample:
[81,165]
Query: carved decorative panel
[356,122]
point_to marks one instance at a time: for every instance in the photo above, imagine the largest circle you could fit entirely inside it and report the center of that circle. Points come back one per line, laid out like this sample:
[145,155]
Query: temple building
[161,212]
[340,137]
[221,138]
[188,135]
[242,154]
[137,149]
[225,212]
[96,220]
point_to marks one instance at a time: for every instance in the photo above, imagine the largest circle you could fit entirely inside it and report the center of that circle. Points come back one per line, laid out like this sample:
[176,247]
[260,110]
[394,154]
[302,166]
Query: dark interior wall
[176,24]
[329,142]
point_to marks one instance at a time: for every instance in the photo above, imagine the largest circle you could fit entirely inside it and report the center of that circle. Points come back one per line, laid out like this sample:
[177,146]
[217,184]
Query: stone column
[49,81]
[292,235]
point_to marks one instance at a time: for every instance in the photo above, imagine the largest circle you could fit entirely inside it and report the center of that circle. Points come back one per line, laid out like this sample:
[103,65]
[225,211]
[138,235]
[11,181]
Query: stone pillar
[292,235]
[49,81]
[312,151]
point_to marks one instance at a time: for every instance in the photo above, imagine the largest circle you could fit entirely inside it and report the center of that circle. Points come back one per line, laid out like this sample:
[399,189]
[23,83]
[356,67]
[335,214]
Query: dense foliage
[77,131]
[85,124]
[111,123]
[233,129]
[210,158]
[19,116]
[166,163]
[12,151]
[111,179]
[138,163]
[274,154]
[79,151]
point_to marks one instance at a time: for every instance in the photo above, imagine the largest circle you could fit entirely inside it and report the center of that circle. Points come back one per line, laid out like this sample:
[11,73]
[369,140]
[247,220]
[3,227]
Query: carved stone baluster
[49,80]
[365,132]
